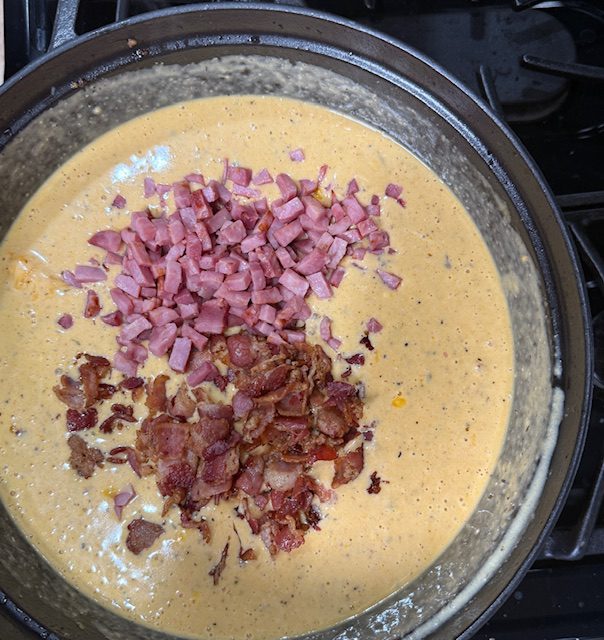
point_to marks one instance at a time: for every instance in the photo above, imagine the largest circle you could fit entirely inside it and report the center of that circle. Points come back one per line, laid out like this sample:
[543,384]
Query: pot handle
[64,27]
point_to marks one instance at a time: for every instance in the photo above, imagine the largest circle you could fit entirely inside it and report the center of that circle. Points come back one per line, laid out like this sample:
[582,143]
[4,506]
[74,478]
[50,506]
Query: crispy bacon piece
[366,342]
[83,458]
[92,307]
[218,568]
[181,405]
[156,395]
[131,383]
[374,487]
[348,467]
[142,534]
[119,413]
[70,392]
[77,421]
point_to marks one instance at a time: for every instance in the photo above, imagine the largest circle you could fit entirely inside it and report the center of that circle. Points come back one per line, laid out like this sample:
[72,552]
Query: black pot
[49,111]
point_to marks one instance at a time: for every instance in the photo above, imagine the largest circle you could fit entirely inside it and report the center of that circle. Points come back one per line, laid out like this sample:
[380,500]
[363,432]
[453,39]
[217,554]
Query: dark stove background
[541,67]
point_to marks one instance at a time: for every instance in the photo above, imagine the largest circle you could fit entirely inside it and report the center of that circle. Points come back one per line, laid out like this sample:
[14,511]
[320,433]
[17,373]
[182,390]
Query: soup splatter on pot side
[438,381]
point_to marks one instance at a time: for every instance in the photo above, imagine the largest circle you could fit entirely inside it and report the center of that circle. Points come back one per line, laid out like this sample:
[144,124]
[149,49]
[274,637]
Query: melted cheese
[438,381]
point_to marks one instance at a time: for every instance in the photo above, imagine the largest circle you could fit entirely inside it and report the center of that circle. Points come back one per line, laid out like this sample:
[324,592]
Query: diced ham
[135,328]
[149,187]
[366,227]
[374,326]
[233,233]
[295,283]
[287,186]
[129,286]
[162,339]
[113,319]
[122,499]
[144,227]
[212,317]
[353,209]
[239,175]
[352,188]
[218,261]
[262,177]
[253,241]
[319,285]
[161,316]
[180,354]
[285,258]
[391,280]
[123,363]
[65,321]
[297,155]
[394,191]
[336,252]
[173,276]
[119,202]
[122,301]
[206,371]
[239,281]
[198,340]
[271,295]
[141,275]
[337,276]
[267,313]
[258,278]
[108,240]
[307,186]
[288,233]
[378,240]
[334,343]
[246,192]
[313,262]
[325,328]
[233,298]
[289,210]
[85,273]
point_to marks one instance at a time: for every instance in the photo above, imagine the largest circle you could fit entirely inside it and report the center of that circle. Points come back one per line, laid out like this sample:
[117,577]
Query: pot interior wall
[422,125]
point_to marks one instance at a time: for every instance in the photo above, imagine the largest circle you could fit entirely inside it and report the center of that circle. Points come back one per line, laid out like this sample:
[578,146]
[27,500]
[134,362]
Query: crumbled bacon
[77,421]
[70,392]
[374,487]
[119,413]
[287,406]
[83,458]
[366,342]
[218,568]
[142,534]
[156,395]
[92,307]
[347,467]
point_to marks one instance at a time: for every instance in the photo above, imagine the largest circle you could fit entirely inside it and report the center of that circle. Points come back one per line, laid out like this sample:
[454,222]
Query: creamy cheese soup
[438,382]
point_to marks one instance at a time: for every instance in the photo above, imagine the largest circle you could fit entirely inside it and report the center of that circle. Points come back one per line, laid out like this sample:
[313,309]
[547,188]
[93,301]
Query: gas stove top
[540,65]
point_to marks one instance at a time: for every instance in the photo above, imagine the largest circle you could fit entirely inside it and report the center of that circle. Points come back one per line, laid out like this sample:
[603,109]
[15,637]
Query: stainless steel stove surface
[540,65]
